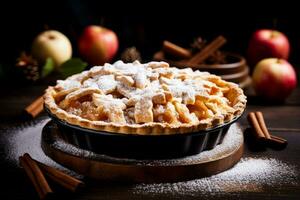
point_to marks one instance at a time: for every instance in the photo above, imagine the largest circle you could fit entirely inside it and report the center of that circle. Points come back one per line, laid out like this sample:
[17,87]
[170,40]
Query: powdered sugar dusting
[250,174]
[26,138]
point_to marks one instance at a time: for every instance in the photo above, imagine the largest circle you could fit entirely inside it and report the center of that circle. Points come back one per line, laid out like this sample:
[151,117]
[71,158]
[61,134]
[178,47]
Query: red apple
[98,45]
[274,79]
[267,43]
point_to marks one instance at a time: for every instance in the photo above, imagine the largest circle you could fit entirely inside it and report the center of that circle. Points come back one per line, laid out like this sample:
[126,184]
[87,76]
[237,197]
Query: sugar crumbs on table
[26,138]
[250,174]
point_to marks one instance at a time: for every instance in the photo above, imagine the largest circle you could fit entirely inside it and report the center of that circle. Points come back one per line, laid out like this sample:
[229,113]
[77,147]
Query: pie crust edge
[152,128]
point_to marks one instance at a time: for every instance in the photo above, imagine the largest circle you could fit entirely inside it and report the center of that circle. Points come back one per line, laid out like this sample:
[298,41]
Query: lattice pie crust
[150,98]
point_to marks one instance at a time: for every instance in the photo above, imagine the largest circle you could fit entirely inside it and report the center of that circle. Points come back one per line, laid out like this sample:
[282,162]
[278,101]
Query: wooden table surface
[283,120]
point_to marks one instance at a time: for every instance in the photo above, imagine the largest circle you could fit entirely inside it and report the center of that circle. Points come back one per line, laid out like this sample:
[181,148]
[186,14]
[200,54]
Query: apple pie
[150,98]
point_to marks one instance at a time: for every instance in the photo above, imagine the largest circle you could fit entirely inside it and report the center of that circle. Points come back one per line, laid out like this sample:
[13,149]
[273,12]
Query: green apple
[51,44]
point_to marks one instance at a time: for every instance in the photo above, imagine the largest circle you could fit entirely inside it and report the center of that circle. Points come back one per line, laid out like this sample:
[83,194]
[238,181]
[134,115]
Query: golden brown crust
[235,96]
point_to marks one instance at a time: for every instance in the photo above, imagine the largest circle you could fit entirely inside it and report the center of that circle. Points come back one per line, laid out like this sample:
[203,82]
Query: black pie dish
[141,146]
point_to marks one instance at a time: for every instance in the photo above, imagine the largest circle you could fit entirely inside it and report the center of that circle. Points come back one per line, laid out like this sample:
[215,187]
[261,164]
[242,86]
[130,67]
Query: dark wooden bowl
[236,70]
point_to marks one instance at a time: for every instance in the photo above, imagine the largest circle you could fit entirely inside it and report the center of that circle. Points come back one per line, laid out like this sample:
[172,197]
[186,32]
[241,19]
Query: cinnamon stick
[61,178]
[254,123]
[36,176]
[277,140]
[207,51]
[273,137]
[175,50]
[261,132]
[36,107]
[58,176]
[262,124]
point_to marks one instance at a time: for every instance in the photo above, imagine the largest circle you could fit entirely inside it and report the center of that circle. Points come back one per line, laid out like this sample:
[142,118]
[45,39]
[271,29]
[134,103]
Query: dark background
[143,24]
[144,27]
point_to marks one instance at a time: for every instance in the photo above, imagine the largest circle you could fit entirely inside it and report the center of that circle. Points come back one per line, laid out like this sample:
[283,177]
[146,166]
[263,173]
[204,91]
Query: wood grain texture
[282,120]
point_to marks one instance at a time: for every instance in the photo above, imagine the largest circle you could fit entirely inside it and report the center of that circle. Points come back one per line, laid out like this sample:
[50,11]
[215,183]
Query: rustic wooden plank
[276,116]
[283,120]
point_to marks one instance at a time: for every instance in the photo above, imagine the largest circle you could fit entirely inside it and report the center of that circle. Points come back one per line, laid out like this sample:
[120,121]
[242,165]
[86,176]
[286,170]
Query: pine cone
[130,55]
[217,57]
[28,66]
[198,44]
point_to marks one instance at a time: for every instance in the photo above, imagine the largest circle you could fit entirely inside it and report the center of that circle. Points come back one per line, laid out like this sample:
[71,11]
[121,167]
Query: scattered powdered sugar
[26,138]
[249,175]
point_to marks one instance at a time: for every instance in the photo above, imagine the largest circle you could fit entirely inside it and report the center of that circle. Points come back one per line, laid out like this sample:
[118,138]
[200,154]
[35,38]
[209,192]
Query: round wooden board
[103,167]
